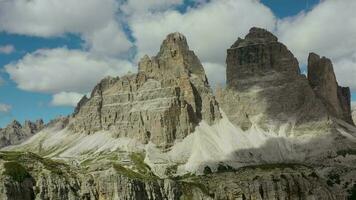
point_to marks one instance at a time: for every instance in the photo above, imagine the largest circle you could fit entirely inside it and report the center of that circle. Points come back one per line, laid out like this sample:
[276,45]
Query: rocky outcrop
[162,103]
[265,87]
[46,179]
[15,133]
[322,79]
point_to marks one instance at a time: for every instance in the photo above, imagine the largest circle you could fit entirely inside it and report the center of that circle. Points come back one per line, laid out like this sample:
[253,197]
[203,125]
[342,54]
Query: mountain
[271,133]
[162,103]
[15,133]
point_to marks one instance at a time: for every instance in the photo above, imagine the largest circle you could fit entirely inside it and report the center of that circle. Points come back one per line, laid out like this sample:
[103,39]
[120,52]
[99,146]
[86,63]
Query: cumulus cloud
[138,6]
[215,73]
[108,41]
[66,99]
[5,108]
[63,70]
[203,31]
[329,29]
[7,49]
[210,29]
[47,18]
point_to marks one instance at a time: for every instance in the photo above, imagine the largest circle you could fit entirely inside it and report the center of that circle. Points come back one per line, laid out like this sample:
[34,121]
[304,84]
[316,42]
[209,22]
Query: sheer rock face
[168,97]
[354,113]
[265,87]
[322,79]
[15,133]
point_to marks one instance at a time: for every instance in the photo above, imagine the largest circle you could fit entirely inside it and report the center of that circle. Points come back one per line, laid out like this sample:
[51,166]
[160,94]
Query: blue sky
[27,101]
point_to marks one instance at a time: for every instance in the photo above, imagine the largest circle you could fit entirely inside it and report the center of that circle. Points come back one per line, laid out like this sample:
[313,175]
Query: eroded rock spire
[322,79]
[164,102]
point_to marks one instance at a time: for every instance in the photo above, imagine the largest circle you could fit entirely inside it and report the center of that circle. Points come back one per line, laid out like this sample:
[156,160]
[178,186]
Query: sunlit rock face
[163,102]
[322,79]
[265,87]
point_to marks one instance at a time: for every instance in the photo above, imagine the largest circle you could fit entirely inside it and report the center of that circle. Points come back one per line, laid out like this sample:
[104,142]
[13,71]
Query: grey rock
[53,180]
[265,87]
[322,79]
[164,102]
[15,133]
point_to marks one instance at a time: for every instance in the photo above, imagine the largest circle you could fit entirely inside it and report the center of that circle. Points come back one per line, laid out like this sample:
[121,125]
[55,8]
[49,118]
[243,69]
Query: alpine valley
[271,133]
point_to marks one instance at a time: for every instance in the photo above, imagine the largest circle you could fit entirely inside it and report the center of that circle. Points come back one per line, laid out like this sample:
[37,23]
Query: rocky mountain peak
[174,59]
[164,101]
[256,33]
[322,79]
[264,79]
[174,42]
[255,36]
[258,55]
[15,132]
[15,125]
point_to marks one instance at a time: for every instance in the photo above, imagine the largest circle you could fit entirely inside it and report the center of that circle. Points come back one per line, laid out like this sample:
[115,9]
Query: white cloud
[5,108]
[208,36]
[210,29]
[66,99]
[47,18]
[63,70]
[7,49]
[108,40]
[215,73]
[138,6]
[329,29]
[345,69]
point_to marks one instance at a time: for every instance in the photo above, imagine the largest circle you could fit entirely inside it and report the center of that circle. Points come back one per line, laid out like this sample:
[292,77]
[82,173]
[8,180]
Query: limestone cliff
[265,87]
[163,102]
[322,79]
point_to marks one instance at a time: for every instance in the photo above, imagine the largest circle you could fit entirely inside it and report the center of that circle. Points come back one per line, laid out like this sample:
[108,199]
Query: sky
[52,52]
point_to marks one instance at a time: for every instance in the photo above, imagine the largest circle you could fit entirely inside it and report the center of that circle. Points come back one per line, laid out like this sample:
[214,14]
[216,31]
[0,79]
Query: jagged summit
[322,79]
[15,132]
[258,55]
[174,59]
[255,36]
[271,133]
[256,33]
[264,78]
[163,102]
[174,42]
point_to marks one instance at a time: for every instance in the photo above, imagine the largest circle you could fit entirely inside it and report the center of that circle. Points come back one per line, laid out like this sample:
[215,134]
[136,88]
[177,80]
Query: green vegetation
[131,174]
[28,158]
[352,193]
[16,171]
[275,166]
[207,170]
[139,163]
[140,170]
[10,155]
[188,187]
[171,170]
[225,168]
[333,178]
[346,152]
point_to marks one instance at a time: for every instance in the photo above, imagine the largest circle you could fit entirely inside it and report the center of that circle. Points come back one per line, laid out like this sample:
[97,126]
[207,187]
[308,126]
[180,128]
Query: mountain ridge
[162,134]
